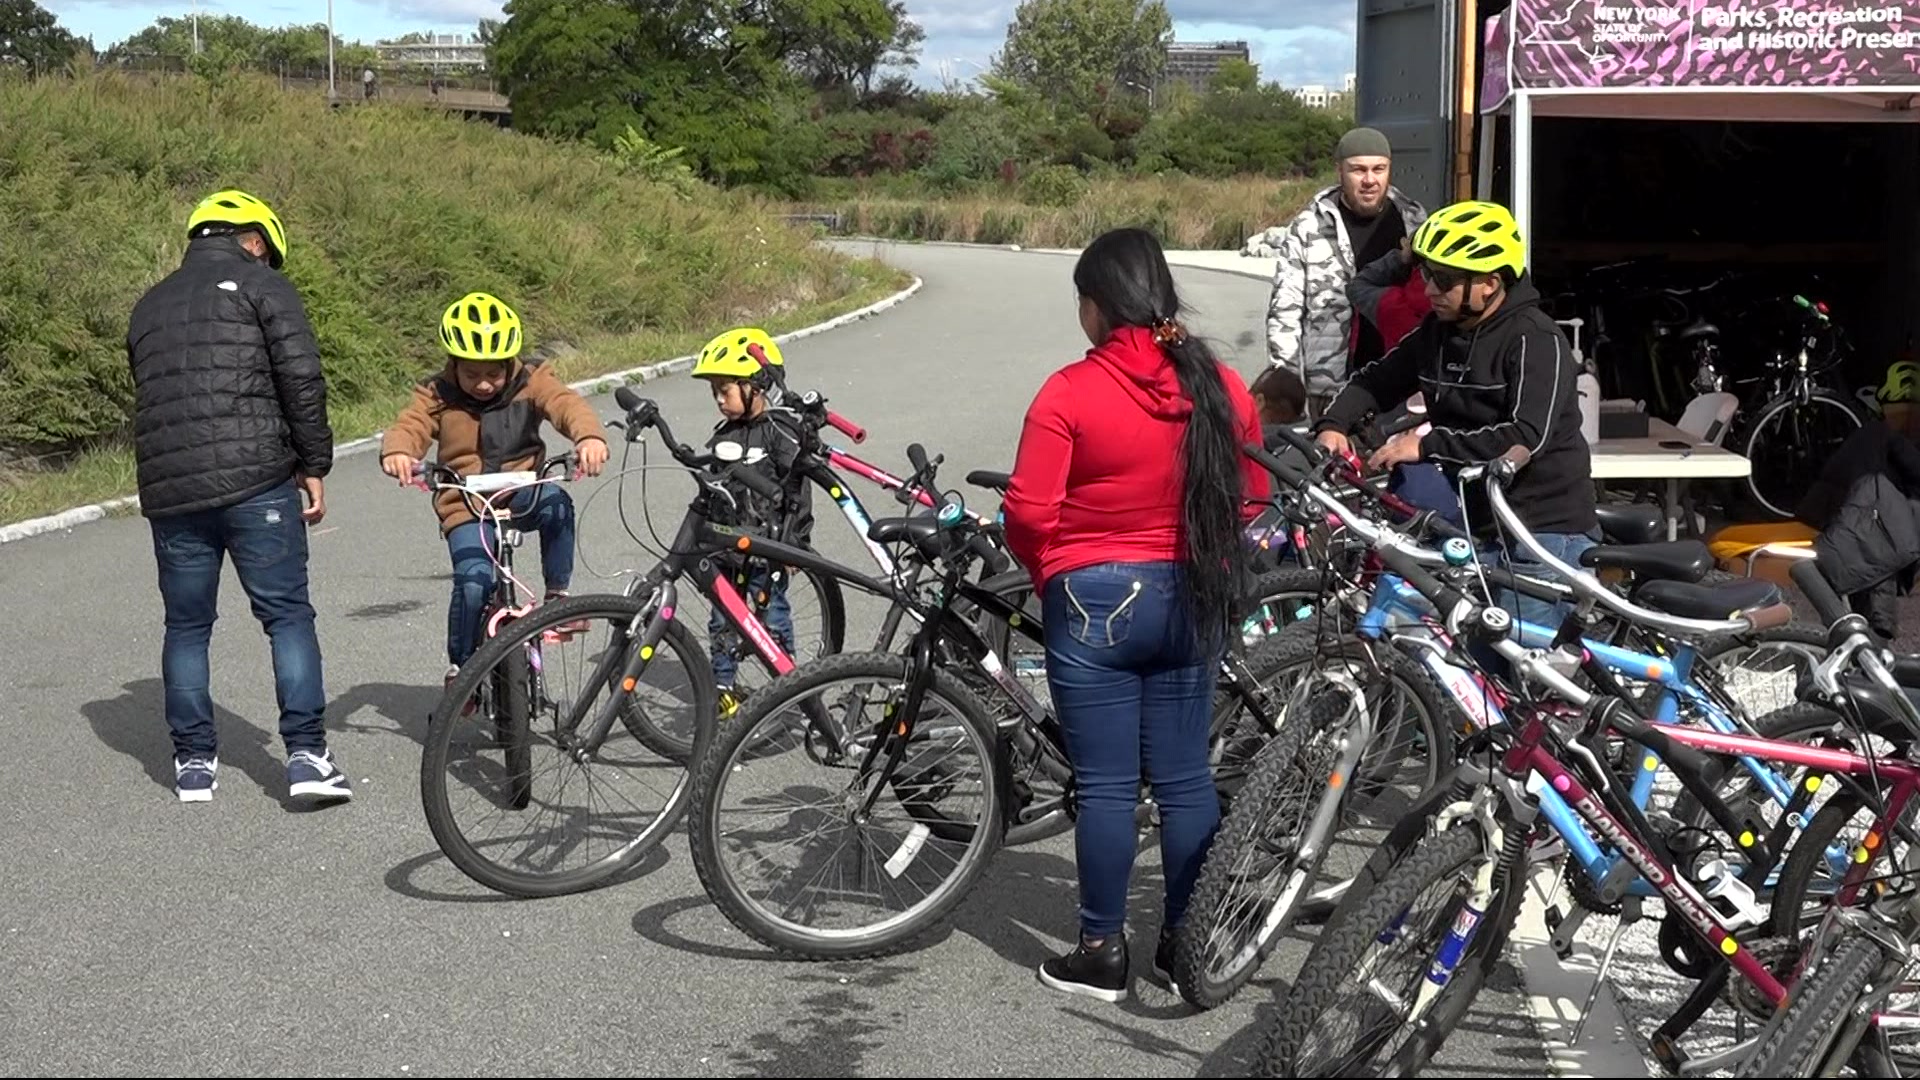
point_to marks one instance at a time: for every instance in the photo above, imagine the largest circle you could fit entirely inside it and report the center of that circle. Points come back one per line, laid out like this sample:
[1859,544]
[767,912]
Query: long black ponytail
[1125,273]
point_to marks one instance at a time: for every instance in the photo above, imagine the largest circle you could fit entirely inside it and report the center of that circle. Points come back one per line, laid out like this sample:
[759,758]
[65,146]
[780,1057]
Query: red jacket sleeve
[1039,480]
[1257,484]
[1402,308]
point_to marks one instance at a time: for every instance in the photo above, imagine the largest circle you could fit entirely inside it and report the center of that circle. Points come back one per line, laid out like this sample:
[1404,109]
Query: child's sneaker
[314,774]
[453,672]
[566,630]
[193,778]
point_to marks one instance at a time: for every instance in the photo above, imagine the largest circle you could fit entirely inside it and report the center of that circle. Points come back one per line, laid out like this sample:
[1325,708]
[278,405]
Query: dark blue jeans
[1133,689]
[267,541]
[767,599]
[546,509]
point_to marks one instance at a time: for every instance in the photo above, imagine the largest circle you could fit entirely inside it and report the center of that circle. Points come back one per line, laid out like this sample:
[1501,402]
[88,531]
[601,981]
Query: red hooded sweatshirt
[1098,476]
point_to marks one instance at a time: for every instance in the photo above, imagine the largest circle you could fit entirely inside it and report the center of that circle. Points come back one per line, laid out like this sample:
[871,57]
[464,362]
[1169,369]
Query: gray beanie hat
[1362,142]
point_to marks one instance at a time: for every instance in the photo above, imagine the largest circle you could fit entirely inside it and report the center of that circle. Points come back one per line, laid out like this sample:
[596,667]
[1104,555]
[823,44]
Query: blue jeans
[268,543]
[1426,487]
[1132,687]
[545,508]
[1564,546]
[767,599]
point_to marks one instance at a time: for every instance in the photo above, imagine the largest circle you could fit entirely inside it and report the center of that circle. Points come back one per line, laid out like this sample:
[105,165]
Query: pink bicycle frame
[1679,893]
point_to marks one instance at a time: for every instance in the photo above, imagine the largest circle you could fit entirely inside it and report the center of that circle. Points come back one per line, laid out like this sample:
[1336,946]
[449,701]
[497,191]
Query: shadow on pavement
[405,879]
[135,724]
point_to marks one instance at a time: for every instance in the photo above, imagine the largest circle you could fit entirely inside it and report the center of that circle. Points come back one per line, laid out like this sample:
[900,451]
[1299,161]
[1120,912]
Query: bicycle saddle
[922,532]
[1686,330]
[1676,560]
[987,478]
[1756,600]
[1631,523]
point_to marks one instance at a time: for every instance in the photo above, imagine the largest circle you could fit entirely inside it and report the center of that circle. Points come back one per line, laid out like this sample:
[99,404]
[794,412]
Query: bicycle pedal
[1668,1053]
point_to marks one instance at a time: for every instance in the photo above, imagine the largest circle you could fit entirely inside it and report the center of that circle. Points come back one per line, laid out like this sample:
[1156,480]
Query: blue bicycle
[1338,755]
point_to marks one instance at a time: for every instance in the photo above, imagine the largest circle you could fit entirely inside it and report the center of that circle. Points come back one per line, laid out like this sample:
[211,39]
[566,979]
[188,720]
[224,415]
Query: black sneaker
[1163,961]
[1096,973]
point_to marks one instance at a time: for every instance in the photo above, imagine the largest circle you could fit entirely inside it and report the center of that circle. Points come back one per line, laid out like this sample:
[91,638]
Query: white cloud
[1293,41]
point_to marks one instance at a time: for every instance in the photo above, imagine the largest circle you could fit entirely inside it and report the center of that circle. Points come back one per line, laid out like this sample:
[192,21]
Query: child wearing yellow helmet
[746,372]
[485,409]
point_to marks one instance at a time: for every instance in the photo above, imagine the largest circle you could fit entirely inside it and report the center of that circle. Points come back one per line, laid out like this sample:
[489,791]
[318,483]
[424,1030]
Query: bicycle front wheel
[838,820]
[1351,1011]
[511,793]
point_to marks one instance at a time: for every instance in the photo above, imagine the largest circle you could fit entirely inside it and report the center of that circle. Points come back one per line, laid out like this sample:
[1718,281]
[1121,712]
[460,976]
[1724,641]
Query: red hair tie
[1168,332]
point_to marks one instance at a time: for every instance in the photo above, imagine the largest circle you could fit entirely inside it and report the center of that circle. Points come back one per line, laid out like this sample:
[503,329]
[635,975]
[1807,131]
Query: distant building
[1316,96]
[1194,63]
[441,51]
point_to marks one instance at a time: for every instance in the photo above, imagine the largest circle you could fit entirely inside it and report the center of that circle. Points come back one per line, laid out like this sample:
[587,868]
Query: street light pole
[331,92]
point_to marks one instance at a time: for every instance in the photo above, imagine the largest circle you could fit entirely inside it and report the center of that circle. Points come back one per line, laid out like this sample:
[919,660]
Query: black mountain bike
[926,702]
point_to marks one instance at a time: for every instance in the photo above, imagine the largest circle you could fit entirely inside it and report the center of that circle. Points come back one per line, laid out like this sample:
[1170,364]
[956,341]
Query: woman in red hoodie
[1129,491]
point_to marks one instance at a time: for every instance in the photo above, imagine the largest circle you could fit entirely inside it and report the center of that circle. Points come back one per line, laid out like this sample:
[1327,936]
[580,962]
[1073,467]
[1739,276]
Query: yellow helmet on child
[731,355]
[480,326]
[1478,237]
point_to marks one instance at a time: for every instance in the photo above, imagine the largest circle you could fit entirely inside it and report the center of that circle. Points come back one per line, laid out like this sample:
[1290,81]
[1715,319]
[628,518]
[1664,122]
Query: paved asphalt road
[139,935]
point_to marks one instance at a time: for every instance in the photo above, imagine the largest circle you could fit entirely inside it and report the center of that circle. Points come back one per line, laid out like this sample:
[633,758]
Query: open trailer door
[1404,82]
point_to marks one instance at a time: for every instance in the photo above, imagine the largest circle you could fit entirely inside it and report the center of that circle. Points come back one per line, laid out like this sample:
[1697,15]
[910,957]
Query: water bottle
[1455,944]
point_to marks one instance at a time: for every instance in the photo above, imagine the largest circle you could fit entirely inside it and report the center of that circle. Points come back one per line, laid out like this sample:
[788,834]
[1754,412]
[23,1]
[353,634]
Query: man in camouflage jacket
[1310,322]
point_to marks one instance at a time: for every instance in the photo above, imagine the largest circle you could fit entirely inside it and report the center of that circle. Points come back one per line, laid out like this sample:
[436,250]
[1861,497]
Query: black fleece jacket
[1508,381]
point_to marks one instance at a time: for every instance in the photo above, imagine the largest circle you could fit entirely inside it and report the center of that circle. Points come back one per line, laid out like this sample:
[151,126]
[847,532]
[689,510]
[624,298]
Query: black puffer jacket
[228,396]
[1866,505]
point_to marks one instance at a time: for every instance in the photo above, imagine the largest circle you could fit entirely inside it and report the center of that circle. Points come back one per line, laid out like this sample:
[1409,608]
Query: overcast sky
[1293,41]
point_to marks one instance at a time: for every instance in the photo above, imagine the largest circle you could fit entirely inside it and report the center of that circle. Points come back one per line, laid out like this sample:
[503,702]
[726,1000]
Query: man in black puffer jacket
[230,429]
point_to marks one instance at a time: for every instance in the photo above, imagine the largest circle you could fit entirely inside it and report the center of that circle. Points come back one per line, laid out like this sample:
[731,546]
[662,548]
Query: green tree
[1073,52]
[31,37]
[868,38]
[722,80]
[1234,74]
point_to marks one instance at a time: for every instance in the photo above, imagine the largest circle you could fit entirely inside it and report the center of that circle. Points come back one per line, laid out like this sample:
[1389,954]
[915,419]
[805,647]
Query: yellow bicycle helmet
[1478,237]
[1899,383]
[480,326]
[239,209]
[729,356]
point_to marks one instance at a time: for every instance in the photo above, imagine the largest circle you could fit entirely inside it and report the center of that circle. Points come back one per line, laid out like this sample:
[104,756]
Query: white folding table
[1646,459]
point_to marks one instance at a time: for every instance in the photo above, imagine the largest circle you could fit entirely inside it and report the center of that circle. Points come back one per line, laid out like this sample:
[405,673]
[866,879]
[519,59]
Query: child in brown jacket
[485,409]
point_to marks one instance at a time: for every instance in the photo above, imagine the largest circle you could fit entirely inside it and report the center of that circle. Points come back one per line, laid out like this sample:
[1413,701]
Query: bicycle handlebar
[644,413]
[434,476]
[1499,472]
[1400,552]
[1350,474]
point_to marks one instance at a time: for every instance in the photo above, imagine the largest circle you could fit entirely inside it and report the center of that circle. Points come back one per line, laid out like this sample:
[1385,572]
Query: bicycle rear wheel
[1817,1030]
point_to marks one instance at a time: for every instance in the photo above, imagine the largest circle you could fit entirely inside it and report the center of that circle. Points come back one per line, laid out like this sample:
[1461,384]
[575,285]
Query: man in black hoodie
[1496,372]
[230,436]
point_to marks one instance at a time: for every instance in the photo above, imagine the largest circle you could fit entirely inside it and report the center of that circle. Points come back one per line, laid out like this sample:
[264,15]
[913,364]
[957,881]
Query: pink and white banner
[1720,43]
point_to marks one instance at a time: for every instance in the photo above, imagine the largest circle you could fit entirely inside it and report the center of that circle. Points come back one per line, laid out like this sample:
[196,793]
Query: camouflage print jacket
[1309,318]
